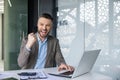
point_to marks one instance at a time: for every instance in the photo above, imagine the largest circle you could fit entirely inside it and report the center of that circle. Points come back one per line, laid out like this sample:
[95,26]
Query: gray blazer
[27,59]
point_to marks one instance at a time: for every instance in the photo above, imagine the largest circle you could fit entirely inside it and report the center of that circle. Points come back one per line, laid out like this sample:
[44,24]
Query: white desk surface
[88,76]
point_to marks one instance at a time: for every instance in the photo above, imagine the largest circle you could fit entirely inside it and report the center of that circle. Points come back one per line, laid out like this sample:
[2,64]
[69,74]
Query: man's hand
[65,67]
[31,40]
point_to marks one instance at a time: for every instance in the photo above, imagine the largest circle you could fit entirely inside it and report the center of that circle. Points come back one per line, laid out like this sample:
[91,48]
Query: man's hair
[48,16]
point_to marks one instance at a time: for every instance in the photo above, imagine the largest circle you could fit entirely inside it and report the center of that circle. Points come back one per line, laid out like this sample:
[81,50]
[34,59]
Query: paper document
[33,75]
[8,75]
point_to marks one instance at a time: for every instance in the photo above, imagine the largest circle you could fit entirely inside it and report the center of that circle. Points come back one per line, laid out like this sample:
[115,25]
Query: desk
[88,76]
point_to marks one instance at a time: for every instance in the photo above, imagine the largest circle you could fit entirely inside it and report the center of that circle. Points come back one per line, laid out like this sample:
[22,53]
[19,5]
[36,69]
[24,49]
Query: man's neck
[42,38]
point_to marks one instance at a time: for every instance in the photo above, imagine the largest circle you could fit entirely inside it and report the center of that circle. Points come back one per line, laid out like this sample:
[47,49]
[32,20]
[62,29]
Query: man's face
[44,26]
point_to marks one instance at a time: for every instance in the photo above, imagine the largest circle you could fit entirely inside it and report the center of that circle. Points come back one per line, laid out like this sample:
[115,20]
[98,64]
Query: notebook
[85,65]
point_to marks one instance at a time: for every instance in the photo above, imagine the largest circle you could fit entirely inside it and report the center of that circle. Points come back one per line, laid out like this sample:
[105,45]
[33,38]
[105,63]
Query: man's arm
[25,49]
[23,55]
[59,57]
[60,60]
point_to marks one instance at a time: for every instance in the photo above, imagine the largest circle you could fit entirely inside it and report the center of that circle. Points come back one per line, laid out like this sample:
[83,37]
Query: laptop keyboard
[67,73]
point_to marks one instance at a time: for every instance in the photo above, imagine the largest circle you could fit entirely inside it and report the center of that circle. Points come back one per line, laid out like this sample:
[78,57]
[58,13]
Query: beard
[43,33]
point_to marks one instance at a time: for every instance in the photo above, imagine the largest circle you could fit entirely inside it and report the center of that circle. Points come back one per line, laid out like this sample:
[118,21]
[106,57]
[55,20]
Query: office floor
[1,65]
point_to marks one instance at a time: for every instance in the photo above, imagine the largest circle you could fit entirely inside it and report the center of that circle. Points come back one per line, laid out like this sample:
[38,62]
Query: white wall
[87,25]
[69,33]
[0,36]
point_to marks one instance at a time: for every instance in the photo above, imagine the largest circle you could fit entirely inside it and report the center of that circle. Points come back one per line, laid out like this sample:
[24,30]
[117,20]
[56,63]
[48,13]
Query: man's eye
[41,24]
[48,25]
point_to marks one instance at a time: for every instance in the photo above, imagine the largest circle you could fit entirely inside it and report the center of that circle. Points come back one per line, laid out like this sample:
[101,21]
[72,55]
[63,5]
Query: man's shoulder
[50,37]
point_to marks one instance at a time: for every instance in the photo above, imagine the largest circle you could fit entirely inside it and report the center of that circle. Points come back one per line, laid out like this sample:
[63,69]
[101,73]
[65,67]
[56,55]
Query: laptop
[85,65]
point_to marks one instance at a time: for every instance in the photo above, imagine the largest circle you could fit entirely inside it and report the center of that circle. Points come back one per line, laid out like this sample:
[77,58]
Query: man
[40,50]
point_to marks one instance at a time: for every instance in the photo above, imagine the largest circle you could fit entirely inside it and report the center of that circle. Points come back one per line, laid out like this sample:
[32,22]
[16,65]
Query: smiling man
[40,50]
